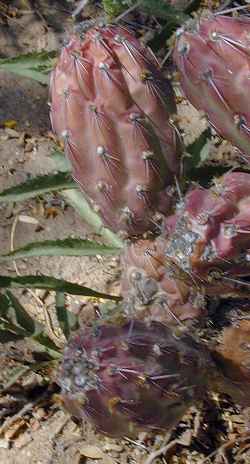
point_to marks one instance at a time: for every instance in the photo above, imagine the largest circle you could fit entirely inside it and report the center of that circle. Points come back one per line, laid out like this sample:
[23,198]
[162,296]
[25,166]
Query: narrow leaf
[160,8]
[62,163]
[194,166]
[51,283]
[37,186]
[7,336]
[68,321]
[47,345]
[17,324]
[22,317]
[4,305]
[66,247]
[164,10]
[14,376]
[194,150]
[36,65]
[77,200]
[61,181]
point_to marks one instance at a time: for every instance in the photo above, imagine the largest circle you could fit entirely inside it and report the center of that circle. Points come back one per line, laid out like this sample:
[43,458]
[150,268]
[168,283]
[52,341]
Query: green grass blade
[38,186]
[77,200]
[51,283]
[66,247]
[68,321]
[36,65]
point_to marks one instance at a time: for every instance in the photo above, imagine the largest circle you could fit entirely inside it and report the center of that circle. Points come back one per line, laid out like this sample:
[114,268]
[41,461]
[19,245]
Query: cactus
[151,292]
[133,376]
[209,237]
[112,108]
[212,55]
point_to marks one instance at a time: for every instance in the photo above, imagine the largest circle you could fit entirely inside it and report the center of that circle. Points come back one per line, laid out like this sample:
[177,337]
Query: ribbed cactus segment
[151,291]
[209,238]
[112,108]
[131,377]
[213,58]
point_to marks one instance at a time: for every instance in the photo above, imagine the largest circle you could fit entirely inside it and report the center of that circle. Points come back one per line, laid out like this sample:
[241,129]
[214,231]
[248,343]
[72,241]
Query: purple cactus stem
[113,110]
[212,55]
[209,238]
[152,292]
[131,377]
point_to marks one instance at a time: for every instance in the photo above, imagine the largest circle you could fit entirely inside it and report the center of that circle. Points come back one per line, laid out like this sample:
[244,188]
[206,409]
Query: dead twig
[164,448]
[129,10]
[225,446]
[27,407]
[79,8]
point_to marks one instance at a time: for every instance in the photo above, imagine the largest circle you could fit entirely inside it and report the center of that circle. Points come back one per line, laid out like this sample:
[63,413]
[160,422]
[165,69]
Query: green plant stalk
[51,283]
[36,65]
[113,7]
[65,247]
[160,8]
[76,199]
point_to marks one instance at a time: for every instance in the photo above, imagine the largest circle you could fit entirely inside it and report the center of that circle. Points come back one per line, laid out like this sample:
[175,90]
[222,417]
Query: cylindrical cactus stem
[131,377]
[212,55]
[112,108]
[209,239]
[152,292]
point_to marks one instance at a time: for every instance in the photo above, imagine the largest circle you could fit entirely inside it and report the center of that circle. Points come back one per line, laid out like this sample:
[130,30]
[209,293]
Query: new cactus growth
[134,376]
[112,108]
[212,55]
[150,290]
[209,237]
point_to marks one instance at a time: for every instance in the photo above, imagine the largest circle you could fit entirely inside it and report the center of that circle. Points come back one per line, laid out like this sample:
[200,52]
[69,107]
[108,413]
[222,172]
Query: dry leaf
[15,429]
[51,212]
[27,219]
[10,123]
[91,451]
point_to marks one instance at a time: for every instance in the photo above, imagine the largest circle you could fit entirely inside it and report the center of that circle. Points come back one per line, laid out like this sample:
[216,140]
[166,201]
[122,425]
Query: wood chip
[10,124]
